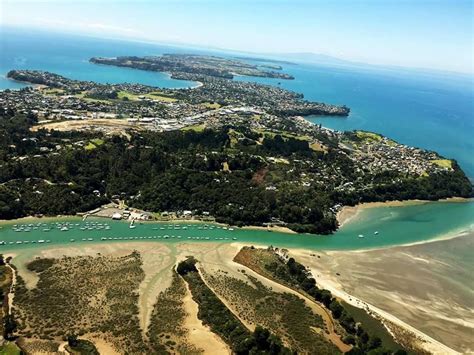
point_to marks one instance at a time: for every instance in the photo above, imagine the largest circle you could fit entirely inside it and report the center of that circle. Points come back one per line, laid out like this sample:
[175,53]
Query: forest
[62,173]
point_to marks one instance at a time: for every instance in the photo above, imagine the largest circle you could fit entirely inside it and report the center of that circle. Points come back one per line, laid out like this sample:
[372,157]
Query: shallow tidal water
[375,227]
[432,111]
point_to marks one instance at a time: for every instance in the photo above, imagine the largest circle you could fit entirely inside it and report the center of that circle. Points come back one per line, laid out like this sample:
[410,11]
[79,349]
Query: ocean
[428,110]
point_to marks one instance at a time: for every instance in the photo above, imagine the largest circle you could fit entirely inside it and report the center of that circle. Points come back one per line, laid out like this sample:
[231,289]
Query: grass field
[156,95]
[283,134]
[94,143]
[369,136]
[444,163]
[9,348]
[196,128]
[214,105]
[52,91]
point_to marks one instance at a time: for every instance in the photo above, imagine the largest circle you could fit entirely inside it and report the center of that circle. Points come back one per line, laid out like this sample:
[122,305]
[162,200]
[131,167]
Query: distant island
[238,152]
[180,64]
[266,60]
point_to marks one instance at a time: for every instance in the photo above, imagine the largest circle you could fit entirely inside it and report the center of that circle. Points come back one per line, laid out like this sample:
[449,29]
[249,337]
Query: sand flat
[429,286]
[199,334]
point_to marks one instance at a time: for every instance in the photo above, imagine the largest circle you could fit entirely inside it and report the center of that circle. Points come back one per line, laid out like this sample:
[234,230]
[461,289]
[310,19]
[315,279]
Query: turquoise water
[432,111]
[395,225]
[428,110]
[69,56]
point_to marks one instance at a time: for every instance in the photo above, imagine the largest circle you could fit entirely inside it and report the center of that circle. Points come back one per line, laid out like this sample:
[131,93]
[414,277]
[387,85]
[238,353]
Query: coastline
[27,83]
[425,341]
[170,76]
[346,215]
[366,279]
[278,229]
[349,213]
[33,219]
[218,255]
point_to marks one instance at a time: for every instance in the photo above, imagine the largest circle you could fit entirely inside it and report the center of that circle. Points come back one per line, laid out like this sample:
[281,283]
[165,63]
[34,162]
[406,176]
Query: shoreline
[33,219]
[170,77]
[349,213]
[279,229]
[327,281]
[426,342]
[442,237]
[333,284]
[346,215]
[27,83]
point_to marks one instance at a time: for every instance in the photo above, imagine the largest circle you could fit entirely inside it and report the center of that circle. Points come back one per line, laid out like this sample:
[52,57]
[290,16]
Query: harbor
[372,228]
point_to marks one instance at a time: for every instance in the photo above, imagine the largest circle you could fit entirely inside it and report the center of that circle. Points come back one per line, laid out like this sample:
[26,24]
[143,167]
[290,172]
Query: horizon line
[279,55]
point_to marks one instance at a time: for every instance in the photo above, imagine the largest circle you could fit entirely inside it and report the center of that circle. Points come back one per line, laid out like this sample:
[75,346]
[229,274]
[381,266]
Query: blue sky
[434,34]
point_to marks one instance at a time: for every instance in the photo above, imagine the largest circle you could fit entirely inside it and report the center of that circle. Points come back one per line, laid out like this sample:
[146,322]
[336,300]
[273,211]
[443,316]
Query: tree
[72,340]
[188,265]
[10,326]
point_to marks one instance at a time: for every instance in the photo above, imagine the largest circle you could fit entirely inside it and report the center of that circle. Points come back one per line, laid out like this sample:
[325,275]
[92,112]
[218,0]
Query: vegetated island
[239,152]
[178,65]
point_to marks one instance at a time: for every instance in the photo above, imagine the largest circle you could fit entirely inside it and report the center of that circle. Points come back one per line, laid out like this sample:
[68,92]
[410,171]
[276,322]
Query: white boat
[41,241]
[64,229]
[376,232]
[361,236]
[72,240]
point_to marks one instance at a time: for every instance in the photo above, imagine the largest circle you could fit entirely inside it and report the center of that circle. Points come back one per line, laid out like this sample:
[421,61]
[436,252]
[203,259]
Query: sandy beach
[425,288]
[279,229]
[349,213]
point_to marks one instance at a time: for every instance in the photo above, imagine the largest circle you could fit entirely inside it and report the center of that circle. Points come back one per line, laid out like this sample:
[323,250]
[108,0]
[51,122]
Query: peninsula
[181,64]
[71,146]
